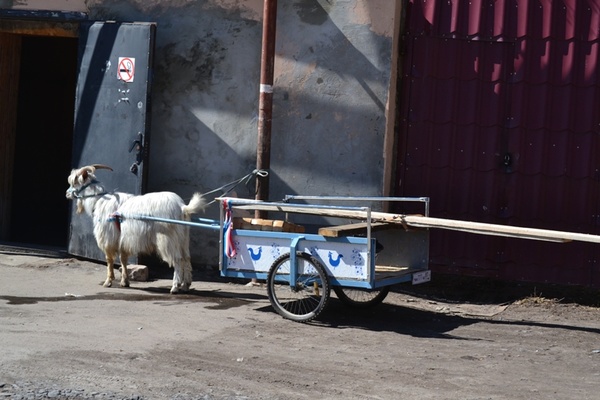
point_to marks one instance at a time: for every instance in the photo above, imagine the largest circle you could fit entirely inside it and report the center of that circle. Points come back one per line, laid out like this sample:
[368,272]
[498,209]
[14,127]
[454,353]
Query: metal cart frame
[309,265]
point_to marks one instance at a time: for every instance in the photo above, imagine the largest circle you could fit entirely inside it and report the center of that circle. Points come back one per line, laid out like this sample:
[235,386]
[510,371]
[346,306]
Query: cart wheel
[361,298]
[308,297]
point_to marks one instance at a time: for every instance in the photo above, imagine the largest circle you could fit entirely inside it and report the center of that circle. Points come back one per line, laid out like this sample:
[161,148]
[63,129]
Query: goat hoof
[124,284]
[107,284]
[174,290]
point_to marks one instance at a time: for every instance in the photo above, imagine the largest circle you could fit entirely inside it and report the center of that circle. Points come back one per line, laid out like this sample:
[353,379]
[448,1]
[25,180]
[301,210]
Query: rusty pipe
[265,101]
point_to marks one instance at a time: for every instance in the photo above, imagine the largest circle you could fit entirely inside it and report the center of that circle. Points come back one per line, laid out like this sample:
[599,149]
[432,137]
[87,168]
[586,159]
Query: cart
[359,261]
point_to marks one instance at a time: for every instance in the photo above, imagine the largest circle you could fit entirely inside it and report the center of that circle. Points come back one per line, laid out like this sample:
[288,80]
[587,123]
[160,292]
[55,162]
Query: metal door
[498,124]
[111,113]
[456,138]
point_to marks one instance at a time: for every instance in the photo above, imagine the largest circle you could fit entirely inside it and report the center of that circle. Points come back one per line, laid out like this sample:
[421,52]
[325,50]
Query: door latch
[507,162]
[138,145]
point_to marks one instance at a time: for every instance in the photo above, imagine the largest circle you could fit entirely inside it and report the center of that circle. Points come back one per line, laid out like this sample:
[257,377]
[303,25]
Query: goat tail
[196,204]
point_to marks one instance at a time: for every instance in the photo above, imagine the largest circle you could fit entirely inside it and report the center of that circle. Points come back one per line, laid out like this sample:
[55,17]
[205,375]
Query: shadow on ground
[475,290]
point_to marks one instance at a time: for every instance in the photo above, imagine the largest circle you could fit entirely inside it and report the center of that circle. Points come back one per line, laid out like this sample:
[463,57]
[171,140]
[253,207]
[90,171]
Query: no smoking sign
[126,69]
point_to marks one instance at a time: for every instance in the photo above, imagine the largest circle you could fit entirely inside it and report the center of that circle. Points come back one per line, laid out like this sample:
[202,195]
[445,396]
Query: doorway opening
[39,212]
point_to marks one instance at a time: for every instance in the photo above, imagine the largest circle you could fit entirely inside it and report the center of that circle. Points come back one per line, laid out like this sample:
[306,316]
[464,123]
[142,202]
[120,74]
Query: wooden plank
[266,225]
[352,229]
[499,230]
[322,211]
[40,28]
[418,221]
[391,268]
[385,272]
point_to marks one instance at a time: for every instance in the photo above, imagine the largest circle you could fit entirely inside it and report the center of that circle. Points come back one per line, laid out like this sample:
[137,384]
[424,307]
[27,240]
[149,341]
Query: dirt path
[60,329]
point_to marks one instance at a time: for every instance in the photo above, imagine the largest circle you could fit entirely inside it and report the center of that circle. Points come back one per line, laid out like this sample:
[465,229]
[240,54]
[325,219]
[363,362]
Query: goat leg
[187,274]
[124,274]
[177,275]
[110,270]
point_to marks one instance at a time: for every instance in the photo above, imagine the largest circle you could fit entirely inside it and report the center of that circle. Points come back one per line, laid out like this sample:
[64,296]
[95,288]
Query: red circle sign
[126,70]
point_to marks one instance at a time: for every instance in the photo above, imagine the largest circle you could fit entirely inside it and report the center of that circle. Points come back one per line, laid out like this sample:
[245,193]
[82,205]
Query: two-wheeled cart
[302,265]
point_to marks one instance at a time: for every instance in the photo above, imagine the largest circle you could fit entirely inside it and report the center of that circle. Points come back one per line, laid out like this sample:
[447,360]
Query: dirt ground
[454,339]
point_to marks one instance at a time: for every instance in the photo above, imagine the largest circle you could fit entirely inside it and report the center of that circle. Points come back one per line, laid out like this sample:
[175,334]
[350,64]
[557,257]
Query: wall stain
[196,64]
[311,12]
[7,3]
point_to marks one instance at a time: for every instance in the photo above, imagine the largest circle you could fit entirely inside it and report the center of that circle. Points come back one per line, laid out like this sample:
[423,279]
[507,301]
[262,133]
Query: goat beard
[80,208]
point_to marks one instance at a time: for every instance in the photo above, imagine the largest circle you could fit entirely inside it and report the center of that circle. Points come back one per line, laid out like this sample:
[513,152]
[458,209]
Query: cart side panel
[341,260]
[256,251]
[404,248]
[256,254]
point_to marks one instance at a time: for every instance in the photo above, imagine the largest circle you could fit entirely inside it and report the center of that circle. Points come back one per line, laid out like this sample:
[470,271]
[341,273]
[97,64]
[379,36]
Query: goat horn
[101,166]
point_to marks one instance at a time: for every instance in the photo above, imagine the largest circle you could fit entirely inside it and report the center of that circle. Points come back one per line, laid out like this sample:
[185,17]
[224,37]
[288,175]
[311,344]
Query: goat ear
[85,171]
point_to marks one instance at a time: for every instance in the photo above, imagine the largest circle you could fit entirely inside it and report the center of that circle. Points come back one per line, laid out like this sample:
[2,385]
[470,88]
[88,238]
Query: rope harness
[228,187]
[117,219]
[230,250]
[76,192]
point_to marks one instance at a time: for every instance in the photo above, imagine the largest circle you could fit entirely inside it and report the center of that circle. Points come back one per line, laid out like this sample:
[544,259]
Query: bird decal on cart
[253,255]
[335,262]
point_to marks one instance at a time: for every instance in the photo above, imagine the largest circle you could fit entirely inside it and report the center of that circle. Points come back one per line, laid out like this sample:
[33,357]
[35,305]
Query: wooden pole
[418,221]
[265,103]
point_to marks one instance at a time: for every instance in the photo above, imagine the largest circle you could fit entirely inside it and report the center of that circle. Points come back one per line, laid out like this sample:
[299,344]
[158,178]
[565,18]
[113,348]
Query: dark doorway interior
[40,212]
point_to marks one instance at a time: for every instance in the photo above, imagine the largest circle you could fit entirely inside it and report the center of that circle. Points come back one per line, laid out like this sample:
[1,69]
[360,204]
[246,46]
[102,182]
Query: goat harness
[117,218]
[76,192]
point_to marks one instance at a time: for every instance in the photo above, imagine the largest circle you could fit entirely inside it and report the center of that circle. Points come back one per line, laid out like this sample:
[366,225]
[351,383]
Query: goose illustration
[335,263]
[253,255]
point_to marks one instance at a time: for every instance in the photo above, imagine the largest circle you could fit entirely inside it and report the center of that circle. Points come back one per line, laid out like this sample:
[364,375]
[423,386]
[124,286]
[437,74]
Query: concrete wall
[58,5]
[333,75]
[330,94]
[204,96]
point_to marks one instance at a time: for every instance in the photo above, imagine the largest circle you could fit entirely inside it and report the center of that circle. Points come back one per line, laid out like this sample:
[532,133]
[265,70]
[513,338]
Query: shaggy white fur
[118,230]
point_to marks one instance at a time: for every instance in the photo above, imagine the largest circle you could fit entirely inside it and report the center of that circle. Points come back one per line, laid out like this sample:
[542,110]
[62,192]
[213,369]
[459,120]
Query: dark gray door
[111,113]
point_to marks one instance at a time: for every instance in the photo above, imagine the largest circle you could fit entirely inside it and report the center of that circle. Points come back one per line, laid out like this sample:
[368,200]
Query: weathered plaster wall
[332,69]
[204,90]
[59,5]
[330,94]
[204,96]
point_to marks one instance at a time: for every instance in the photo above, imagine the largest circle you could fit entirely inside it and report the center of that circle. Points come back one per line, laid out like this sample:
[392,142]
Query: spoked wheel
[361,298]
[307,298]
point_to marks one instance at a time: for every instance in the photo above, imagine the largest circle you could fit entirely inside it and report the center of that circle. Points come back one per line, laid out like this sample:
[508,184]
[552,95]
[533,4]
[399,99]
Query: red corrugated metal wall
[500,123]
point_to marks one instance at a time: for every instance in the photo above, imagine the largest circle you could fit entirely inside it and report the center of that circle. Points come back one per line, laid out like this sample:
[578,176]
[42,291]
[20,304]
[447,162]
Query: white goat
[115,233]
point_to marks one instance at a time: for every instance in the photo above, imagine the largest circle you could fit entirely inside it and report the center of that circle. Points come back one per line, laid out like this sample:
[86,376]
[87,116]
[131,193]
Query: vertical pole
[265,103]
